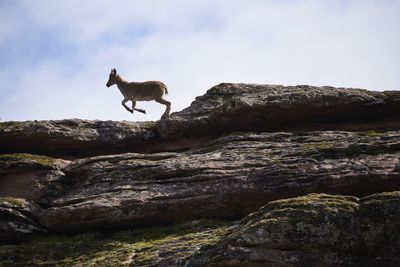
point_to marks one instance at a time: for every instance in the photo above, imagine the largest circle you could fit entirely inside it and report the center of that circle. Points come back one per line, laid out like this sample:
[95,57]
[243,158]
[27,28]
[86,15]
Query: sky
[55,56]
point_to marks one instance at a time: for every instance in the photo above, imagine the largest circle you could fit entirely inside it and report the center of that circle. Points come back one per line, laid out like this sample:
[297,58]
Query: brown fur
[140,91]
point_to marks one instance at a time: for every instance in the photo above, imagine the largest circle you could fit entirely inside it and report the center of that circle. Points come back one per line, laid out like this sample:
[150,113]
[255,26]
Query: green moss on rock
[153,246]
[14,125]
[314,230]
[305,215]
[312,148]
[371,133]
[40,160]
[12,200]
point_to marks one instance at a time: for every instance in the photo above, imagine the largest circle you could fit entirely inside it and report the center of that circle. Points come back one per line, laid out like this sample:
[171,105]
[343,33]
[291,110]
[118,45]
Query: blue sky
[55,56]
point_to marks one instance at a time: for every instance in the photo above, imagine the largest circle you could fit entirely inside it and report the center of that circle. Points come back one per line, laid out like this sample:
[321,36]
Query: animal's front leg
[139,110]
[124,104]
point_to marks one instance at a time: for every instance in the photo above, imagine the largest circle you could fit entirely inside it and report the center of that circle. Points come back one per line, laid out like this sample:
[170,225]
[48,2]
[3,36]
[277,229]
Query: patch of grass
[370,133]
[15,201]
[41,160]
[141,247]
[150,124]
[15,125]
[318,200]
[319,148]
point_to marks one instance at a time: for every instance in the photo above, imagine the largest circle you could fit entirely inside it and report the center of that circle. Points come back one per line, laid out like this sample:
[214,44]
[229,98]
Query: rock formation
[225,108]
[313,230]
[241,151]
[18,219]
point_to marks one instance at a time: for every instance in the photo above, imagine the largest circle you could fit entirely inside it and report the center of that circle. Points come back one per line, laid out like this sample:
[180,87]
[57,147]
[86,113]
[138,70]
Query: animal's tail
[166,90]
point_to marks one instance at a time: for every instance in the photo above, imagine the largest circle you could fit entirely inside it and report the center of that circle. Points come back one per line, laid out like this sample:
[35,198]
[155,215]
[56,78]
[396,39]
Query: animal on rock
[140,91]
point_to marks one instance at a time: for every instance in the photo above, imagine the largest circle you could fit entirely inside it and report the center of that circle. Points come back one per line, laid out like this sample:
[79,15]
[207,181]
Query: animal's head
[112,79]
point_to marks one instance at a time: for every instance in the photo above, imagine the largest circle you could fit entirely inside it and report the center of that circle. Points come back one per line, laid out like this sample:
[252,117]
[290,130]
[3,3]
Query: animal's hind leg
[125,106]
[167,104]
[133,107]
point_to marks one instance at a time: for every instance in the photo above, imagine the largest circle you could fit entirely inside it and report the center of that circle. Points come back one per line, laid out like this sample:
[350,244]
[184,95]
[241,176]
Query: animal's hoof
[131,111]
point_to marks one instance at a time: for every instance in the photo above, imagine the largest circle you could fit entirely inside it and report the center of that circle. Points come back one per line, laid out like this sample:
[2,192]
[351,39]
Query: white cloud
[191,46]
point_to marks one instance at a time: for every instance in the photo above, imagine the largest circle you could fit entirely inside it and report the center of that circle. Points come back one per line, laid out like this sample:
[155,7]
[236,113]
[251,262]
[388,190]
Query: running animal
[140,91]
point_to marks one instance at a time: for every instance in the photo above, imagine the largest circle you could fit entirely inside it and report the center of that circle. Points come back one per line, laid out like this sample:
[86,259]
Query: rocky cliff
[248,175]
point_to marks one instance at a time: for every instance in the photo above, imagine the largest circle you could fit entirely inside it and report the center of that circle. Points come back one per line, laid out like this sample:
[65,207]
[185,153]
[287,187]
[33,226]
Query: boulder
[313,230]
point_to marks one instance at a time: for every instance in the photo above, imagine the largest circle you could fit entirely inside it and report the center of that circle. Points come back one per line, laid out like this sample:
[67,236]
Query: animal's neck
[120,80]
[123,86]
[121,83]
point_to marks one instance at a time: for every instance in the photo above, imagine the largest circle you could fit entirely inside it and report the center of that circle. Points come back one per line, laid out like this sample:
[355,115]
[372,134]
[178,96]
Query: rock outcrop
[227,178]
[258,108]
[18,219]
[232,152]
[31,177]
[225,108]
[313,230]
[74,138]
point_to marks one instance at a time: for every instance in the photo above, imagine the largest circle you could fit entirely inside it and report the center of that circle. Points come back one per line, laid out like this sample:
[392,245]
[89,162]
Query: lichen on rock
[313,230]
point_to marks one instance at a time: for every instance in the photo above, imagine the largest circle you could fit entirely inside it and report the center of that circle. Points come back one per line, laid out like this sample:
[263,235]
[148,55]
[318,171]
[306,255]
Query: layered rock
[235,149]
[313,230]
[223,109]
[251,107]
[74,138]
[27,183]
[31,177]
[18,219]
[227,178]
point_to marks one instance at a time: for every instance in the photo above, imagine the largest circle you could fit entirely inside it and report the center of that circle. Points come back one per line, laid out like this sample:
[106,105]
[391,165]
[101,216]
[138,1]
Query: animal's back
[149,90]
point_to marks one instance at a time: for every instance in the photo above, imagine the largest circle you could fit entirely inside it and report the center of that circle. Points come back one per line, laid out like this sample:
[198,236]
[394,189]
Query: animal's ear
[115,71]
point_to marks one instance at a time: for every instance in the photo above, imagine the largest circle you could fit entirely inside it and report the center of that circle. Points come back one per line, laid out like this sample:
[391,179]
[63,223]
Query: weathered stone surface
[232,151]
[227,178]
[250,107]
[31,177]
[74,137]
[313,230]
[17,219]
[223,109]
